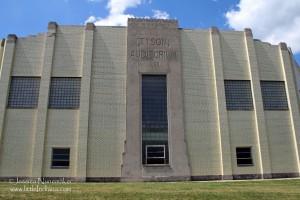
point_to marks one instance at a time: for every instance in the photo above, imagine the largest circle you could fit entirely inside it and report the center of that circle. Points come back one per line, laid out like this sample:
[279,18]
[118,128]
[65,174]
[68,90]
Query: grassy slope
[270,189]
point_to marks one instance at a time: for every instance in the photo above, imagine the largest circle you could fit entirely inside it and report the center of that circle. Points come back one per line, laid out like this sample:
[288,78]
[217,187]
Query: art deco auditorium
[147,102]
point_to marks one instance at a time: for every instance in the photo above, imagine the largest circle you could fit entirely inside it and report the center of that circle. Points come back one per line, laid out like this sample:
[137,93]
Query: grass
[244,190]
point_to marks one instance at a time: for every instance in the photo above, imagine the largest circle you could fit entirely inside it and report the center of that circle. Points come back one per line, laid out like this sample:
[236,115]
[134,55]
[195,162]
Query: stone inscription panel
[152,43]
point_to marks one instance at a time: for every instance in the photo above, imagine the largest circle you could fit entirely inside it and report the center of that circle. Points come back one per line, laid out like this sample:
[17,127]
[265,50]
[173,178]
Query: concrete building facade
[150,101]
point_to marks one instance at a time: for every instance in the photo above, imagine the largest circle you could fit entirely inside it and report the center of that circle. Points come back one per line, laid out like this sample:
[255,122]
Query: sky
[270,20]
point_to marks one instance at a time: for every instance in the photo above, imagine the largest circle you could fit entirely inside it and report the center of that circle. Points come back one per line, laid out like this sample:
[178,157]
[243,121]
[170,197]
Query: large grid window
[274,95]
[64,93]
[154,120]
[60,158]
[244,156]
[238,95]
[23,92]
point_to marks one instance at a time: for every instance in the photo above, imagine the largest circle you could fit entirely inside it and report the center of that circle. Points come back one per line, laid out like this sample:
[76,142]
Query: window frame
[238,107]
[164,127]
[248,158]
[60,160]
[153,157]
[269,106]
[35,105]
[51,106]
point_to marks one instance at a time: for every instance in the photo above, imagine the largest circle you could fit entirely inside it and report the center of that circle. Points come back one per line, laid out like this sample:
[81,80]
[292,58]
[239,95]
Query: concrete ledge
[142,22]
[152,20]
[11,38]
[214,30]
[283,46]
[227,177]
[2,42]
[15,179]
[40,179]
[72,179]
[248,32]
[246,176]
[166,179]
[90,26]
[285,175]
[206,178]
[52,26]
[103,179]
[267,176]
[151,179]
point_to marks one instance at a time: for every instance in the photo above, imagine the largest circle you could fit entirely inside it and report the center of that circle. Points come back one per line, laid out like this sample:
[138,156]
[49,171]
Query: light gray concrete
[153,47]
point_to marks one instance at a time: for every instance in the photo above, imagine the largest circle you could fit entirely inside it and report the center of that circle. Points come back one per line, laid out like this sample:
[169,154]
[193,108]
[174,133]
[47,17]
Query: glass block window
[23,92]
[60,158]
[238,95]
[244,156]
[274,95]
[64,93]
[154,119]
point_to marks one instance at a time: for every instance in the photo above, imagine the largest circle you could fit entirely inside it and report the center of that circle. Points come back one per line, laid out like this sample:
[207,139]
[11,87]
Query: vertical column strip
[223,127]
[6,68]
[41,123]
[291,91]
[1,51]
[83,124]
[261,132]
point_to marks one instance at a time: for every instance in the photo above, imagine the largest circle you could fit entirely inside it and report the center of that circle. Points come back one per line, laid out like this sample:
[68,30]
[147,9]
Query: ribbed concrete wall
[200,104]
[107,120]
[96,132]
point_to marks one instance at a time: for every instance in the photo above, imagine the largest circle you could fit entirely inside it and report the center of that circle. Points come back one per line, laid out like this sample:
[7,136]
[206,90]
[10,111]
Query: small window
[23,92]
[244,156]
[155,154]
[238,95]
[64,93]
[274,95]
[60,158]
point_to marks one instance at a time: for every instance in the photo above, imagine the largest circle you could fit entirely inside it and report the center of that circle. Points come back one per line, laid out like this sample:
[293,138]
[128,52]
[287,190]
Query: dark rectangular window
[274,95]
[156,154]
[238,95]
[154,120]
[60,158]
[23,92]
[64,93]
[244,156]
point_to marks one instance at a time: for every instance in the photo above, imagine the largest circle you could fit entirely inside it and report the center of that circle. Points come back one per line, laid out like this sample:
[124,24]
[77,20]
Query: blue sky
[270,20]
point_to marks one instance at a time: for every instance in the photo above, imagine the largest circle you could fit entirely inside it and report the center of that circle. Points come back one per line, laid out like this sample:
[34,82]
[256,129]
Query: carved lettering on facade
[152,48]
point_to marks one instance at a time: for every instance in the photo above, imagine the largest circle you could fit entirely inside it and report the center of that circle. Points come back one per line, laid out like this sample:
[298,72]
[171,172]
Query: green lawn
[268,189]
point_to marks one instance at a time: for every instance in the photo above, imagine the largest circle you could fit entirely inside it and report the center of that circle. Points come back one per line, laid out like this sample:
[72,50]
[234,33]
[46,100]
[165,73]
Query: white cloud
[117,15]
[111,20]
[159,14]
[270,20]
[91,19]
[119,6]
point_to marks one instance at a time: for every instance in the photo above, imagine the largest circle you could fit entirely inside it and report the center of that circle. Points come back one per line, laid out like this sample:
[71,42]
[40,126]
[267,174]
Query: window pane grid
[65,93]
[154,119]
[274,95]
[24,92]
[238,95]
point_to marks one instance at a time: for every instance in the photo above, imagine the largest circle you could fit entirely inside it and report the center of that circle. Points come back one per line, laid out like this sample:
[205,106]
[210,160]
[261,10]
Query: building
[150,101]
